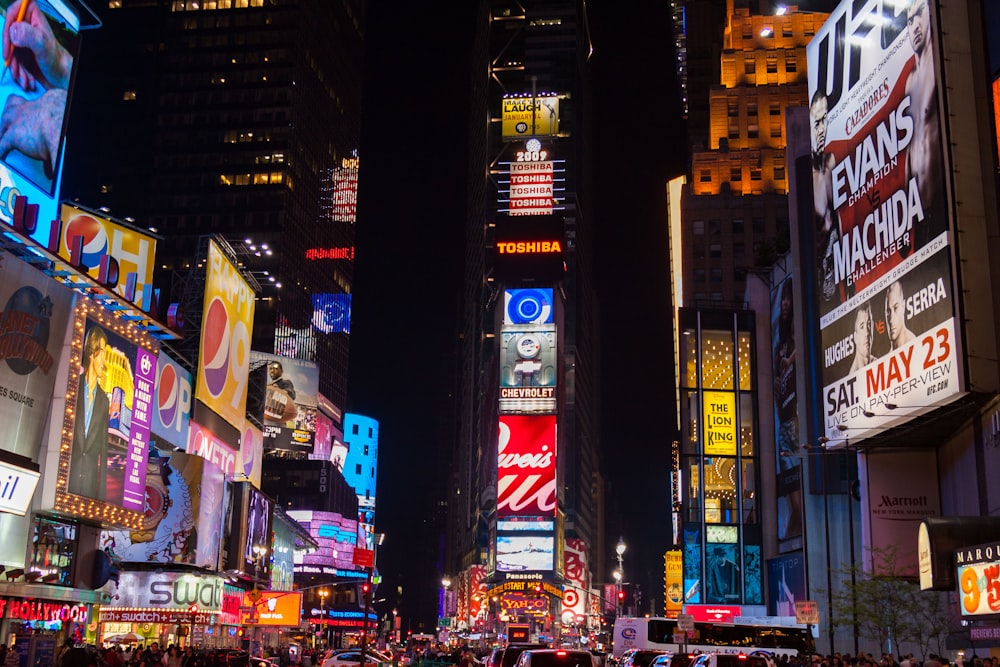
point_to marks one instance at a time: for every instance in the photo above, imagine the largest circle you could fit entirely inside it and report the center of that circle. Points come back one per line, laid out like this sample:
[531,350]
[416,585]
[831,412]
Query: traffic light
[621,596]
[366,589]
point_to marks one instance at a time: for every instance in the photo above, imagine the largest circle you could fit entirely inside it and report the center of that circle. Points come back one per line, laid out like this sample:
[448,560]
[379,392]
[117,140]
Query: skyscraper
[239,118]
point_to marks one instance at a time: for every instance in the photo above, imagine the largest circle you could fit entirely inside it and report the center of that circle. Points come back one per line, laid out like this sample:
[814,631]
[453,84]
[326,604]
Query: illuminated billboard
[526,475]
[527,115]
[224,347]
[251,454]
[978,578]
[528,306]
[109,402]
[182,521]
[530,247]
[881,217]
[35,99]
[202,442]
[172,407]
[528,369]
[337,537]
[34,314]
[274,608]
[289,403]
[719,408]
[332,313]
[576,568]
[344,181]
[117,256]
[531,181]
[523,553]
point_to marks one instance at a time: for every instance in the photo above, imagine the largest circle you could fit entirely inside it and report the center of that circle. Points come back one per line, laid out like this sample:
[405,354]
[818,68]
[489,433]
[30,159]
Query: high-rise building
[529,181]
[239,118]
[734,207]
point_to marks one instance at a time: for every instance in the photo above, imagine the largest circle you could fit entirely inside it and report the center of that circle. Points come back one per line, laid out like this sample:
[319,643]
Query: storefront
[173,608]
[35,623]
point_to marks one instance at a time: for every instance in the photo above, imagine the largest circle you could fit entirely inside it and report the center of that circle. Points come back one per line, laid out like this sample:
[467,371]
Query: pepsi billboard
[224,349]
[172,407]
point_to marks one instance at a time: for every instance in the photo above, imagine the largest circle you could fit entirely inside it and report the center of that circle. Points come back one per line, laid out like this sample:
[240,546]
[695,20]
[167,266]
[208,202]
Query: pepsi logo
[215,341]
[173,395]
[248,449]
[95,238]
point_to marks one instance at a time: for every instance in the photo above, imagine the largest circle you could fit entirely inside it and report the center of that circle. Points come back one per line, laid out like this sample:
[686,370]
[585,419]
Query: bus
[658,634]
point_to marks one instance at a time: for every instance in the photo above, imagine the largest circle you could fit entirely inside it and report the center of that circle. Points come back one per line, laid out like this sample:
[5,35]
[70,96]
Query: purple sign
[138,445]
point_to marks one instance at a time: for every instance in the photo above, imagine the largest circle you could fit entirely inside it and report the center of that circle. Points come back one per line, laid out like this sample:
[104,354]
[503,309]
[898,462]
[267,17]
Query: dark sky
[408,270]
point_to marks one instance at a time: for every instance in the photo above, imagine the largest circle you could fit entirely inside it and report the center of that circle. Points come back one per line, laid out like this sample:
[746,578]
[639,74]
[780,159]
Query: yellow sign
[806,611]
[674,582]
[224,353]
[719,411]
[530,116]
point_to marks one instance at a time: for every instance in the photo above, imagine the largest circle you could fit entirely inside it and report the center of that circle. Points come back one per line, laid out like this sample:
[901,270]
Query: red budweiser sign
[526,470]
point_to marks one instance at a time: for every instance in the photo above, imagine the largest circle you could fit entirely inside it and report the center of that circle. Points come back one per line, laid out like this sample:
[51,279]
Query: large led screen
[528,306]
[109,399]
[528,365]
[529,115]
[289,403]
[529,247]
[182,520]
[337,537]
[881,222]
[331,313]
[526,467]
[522,553]
[224,350]
[35,93]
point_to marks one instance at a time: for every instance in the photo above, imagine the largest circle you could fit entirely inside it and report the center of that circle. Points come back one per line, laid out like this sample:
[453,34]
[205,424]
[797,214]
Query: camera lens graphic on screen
[528,306]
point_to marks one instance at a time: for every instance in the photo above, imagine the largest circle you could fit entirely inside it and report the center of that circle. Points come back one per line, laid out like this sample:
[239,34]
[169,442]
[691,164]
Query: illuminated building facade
[240,118]
[536,373]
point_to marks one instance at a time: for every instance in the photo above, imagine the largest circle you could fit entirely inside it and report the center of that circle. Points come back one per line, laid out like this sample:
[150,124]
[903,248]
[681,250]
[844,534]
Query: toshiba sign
[529,247]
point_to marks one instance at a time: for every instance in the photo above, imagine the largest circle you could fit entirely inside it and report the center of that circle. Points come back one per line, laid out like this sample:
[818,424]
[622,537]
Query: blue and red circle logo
[216,339]
[95,238]
[167,393]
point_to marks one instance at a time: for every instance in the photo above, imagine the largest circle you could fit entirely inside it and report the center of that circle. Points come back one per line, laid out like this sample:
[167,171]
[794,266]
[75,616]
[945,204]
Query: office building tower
[238,118]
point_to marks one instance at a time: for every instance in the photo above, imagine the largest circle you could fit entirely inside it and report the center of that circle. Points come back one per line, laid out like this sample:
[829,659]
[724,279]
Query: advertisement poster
[525,116]
[251,453]
[182,522]
[224,348]
[337,537]
[172,407]
[289,403]
[786,421]
[673,561]
[523,553]
[528,306]
[881,216]
[87,238]
[526,477]
[112,398]
[528,365]
[35,314]
[720,423]
[786,577]
[575,569]
[33,166]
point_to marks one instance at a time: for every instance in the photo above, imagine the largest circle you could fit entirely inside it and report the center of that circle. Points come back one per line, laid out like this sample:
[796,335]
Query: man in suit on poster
[88,466]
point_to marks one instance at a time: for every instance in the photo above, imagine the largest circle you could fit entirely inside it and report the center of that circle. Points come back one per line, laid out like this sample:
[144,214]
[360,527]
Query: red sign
[713,613]
[131,615]
[39,610]
[364,557]
[526,478]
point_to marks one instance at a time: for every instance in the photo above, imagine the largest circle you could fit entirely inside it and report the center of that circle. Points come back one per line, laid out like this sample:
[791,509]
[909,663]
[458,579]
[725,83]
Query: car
[556,657]
[641,657]
[663,660]
[731,660]
[493,659]
[352,658]
[513,651]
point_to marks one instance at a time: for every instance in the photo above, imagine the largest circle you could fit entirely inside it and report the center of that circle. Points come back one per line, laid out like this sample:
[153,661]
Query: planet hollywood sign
[39,610]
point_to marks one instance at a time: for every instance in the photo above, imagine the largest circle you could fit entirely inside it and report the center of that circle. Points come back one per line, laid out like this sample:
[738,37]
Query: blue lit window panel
[332,313]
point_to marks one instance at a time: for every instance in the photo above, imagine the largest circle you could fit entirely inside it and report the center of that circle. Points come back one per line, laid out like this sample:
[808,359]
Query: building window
[699,275]
[750,66]
[753,132]
[735,174]
[755,174]
[733,108]
[775,131]
[739,250]
[757,224]
[752,110]
[698,227]
[715,276]
[791,65]
[738,226]
[714,227]
[772,66]
[705,176]
[715,251]
[779,173]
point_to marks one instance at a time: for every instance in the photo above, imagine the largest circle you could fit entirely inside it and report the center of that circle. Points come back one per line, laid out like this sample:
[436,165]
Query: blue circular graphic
[529,306]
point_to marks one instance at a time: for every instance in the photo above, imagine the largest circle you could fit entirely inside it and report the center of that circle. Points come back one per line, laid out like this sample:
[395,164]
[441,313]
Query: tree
[883,605]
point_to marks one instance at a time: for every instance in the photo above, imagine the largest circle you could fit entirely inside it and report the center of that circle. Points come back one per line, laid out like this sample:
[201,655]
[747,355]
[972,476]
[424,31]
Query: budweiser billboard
[526,468]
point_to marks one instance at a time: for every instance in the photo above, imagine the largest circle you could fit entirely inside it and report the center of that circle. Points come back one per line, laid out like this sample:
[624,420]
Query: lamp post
[259,553]
[619,574]
[445,585]
[323,593]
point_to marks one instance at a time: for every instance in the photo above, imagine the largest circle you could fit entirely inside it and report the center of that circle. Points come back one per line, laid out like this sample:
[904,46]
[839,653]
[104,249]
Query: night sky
[408,272]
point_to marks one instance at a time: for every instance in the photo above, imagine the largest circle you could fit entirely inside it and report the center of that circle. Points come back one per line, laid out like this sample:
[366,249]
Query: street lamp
[618,592]
[445,585]
[323,593]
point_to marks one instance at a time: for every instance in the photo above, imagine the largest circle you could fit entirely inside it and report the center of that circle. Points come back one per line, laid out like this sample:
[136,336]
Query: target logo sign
[227,317]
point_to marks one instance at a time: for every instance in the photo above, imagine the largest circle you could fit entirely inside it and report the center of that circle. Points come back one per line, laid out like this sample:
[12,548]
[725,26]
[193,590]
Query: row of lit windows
[209,5]
[262,178]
